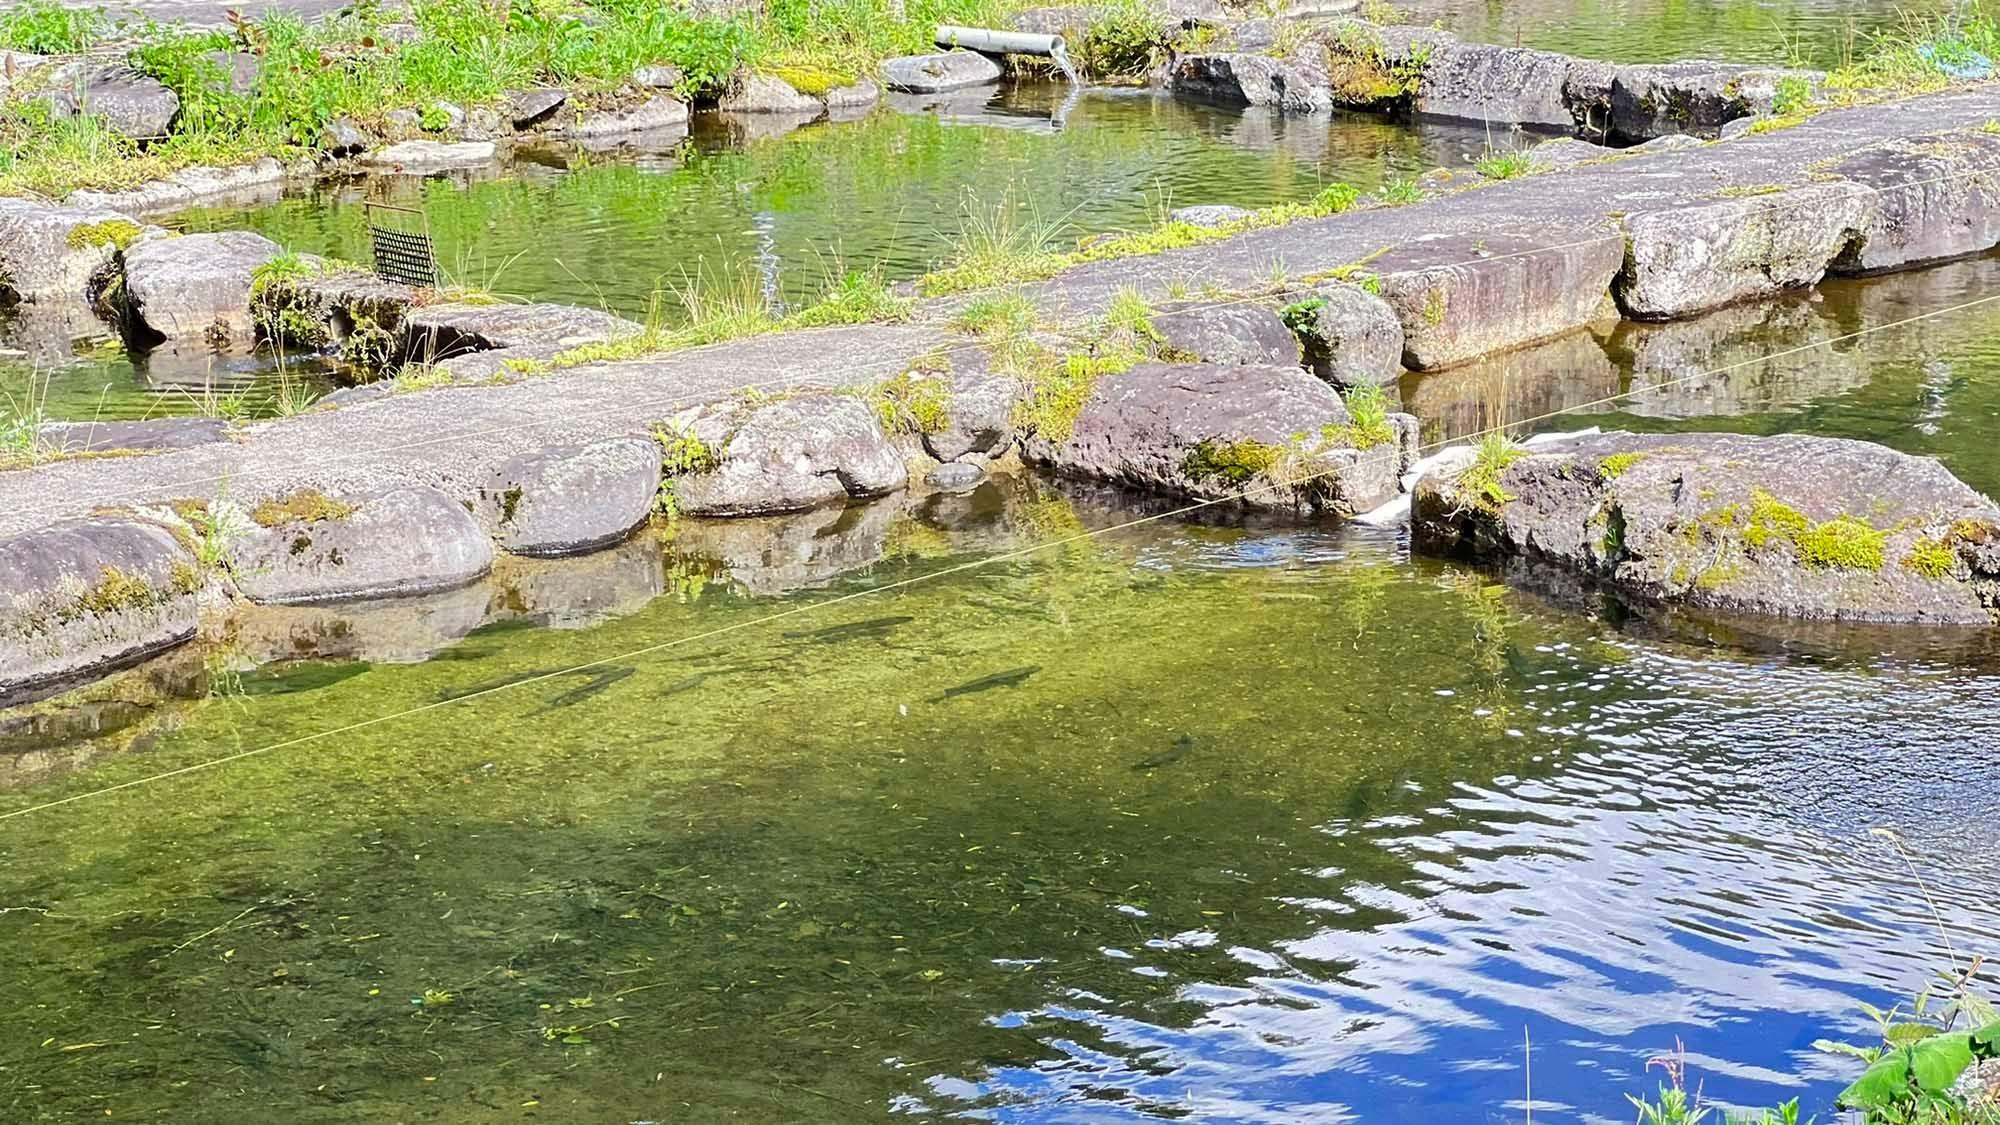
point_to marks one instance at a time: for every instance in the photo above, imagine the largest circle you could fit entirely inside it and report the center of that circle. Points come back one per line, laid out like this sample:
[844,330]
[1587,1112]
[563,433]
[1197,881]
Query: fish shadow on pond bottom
[1013,677]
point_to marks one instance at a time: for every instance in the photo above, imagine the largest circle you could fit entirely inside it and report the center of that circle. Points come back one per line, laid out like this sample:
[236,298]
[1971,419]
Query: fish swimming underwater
[1014,677]
[849,631]
[603,678]
[1166,757]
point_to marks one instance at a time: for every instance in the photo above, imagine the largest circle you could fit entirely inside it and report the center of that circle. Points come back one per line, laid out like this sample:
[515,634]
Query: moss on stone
[1233,462]
[115,233]
[913,403]
[307,505]
[1614,466]
[1434,307]
[1772,519]
[1843,542]
[1931,558]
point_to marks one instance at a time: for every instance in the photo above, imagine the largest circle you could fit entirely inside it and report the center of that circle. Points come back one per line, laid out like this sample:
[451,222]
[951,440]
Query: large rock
[1792,526]
[1689,259]
[1226,334]
[1506,85]
[1938,196]
[1352,336]
[1460,297]
[424,157]
[1246,79]
[313,548]
[763,93]
[49,251]
[193,287]
[940,72]
[571,499]
[1691,96]
[89,595]
[790,455]
[123,99]
[1264,437]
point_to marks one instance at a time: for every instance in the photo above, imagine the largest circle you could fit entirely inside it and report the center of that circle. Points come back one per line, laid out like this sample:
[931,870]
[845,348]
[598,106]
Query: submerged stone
[86,596]
[1789,526]
[1210,216]
[410,541]
[979,413]
[419,157]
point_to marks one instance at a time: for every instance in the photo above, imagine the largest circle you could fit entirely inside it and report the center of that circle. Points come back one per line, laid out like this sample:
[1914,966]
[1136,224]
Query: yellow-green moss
[814,81]
[1771,518]
[115,233]
[116,591]
[1930,558]
[1233,462]
[1842,542]
[308,505]
[1614,466]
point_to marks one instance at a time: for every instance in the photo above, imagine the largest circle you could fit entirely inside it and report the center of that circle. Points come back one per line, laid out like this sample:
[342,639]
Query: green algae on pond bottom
[876,855]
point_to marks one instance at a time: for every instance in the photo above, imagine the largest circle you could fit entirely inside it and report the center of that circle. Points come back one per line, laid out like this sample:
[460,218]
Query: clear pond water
[1820,33]
[1211,823]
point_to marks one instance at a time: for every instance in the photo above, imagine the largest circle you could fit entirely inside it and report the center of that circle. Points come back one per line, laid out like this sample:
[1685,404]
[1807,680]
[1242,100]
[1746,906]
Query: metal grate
[401,240]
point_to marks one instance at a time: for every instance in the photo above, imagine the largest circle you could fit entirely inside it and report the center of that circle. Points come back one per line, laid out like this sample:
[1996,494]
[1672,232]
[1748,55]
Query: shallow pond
[1201,822]
[1821,33]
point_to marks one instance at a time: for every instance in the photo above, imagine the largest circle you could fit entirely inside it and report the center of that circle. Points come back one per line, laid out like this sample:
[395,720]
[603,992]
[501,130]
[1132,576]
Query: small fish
[1012,678]
[1168,756]
[505,626]
[688,684]
[851,631]
[603,678]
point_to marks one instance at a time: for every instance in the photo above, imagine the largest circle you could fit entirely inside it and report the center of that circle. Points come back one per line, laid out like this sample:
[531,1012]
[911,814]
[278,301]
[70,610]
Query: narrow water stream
[1209,822]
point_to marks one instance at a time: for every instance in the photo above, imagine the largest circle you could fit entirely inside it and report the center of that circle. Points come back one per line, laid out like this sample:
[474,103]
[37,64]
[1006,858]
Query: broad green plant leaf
[1928,1066]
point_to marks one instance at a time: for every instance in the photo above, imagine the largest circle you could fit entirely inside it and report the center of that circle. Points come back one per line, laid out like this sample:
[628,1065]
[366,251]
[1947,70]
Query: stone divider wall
[416,492]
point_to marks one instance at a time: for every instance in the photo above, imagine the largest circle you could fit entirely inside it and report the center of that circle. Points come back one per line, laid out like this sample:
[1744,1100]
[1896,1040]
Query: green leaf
[1927,1067]
[1865,1054]
[1904,1034]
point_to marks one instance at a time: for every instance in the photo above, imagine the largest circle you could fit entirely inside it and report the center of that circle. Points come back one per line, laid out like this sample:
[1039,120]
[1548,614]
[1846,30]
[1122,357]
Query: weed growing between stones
[1480,481]
[916,401]
[1125,37]
[1400,191]
[1503,164]
[1368,417]
[858,297]
[421,377]
[682,453]
[23,413]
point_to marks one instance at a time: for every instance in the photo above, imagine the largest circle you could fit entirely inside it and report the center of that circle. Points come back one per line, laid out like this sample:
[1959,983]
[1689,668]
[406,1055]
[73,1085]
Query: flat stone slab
[420,157]
[151,435]
[435,333]
[1788,526]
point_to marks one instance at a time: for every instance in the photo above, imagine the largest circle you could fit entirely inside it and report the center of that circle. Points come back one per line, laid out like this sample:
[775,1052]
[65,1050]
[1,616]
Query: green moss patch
[1931,558]
[1614,466]
[1232,462]
[115,233]
[308,505]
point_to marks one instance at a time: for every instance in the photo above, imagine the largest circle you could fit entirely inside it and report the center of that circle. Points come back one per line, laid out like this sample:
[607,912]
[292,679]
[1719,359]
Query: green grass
[1480,482]
[467,52]
[48,27]
[1398,192]
[1915,55]
[1368,417]
[1504,164]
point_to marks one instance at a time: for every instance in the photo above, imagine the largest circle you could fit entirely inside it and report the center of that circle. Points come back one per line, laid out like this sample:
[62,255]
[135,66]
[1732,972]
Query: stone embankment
[107,558]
